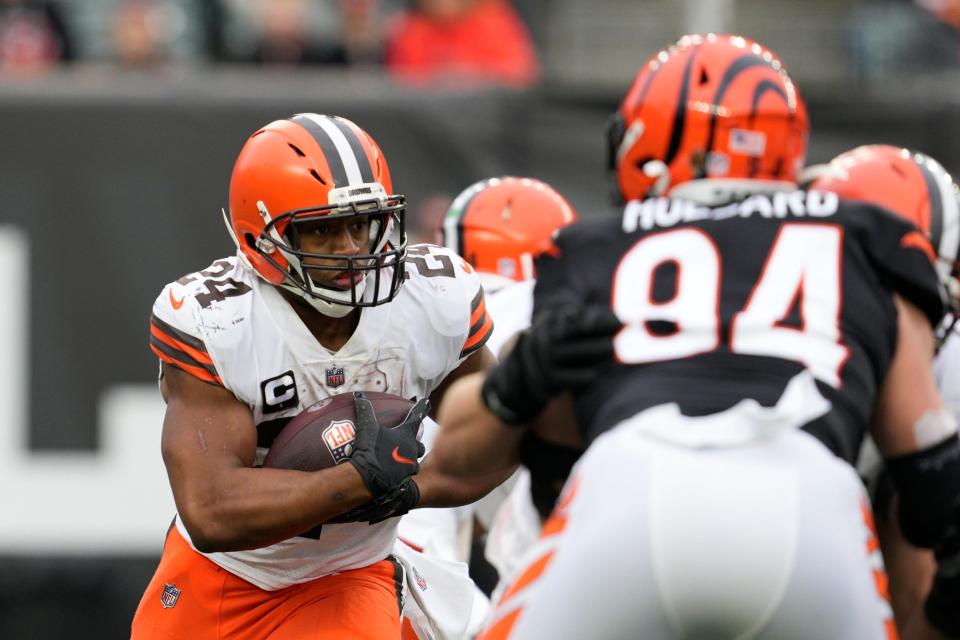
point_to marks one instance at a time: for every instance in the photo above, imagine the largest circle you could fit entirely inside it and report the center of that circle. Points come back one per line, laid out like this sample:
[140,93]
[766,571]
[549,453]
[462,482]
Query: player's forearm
[441,490]
[247,508]
[472,441]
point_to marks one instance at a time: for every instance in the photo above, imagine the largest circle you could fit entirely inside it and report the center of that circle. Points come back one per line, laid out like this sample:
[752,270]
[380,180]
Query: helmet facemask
[381,266]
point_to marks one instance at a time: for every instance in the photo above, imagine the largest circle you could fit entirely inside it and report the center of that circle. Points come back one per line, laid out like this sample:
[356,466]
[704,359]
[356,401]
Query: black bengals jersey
[726,303]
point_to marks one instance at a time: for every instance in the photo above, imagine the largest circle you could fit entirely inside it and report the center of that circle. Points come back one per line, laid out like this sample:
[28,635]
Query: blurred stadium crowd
[429,41]
[421,40]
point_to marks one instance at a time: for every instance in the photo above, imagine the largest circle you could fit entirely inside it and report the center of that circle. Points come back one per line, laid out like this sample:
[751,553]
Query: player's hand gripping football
[386,457]
[390,505]
[563,351]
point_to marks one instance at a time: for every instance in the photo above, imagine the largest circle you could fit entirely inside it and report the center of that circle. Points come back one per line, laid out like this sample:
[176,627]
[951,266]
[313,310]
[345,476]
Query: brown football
[321,435]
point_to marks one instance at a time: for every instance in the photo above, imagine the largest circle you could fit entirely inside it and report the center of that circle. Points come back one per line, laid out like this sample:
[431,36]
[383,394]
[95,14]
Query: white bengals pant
[748,529]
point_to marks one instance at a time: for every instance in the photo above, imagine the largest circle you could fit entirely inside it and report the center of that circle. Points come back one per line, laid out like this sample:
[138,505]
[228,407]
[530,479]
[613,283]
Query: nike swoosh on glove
[386,457]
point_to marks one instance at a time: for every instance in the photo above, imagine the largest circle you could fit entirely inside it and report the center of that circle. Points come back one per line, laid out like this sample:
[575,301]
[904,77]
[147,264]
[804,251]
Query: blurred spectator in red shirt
[33,36]
[461,41]
[946,10]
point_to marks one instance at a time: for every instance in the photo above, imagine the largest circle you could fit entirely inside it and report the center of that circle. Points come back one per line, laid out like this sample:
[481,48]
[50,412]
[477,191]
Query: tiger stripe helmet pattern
[912,185]
[718,107]
[302,168]
[498,225]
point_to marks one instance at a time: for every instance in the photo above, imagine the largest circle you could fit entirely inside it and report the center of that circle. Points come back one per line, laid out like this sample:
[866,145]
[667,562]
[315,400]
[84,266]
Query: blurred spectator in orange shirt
[33,36]
[461,41]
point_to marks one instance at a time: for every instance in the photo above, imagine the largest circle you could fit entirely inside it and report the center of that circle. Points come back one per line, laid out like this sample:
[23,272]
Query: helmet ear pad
[247,240]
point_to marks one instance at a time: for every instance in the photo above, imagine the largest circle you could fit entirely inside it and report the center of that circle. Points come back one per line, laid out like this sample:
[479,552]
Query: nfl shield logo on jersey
[169,596]
[339,439]
[335,377]
[420,581]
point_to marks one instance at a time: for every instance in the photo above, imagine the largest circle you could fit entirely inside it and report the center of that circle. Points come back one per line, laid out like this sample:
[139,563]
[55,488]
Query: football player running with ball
[323,296]
[728,342]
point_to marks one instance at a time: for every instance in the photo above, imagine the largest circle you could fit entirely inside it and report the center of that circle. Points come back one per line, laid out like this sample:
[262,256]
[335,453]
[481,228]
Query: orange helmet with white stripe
[708,118]
[499,224]
[302,169]
[912,185]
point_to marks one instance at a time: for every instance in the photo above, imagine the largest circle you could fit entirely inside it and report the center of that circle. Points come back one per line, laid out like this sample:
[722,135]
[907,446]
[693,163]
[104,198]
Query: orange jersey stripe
[529,574]
[200,356]
[554,525]
[916,240]
[501,630]
[197,372]
[480,333]
[478,312]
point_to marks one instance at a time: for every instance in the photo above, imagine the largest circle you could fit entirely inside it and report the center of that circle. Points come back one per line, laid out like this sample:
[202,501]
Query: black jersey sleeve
[576,268]
[555,288]
[904,260]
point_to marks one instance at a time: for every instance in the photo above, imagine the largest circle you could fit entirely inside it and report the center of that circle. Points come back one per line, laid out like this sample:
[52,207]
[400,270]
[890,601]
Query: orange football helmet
[718,107]
[499,224]
[910,184]
[312,166]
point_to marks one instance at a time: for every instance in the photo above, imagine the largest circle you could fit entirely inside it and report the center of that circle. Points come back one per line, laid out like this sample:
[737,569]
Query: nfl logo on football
[339,439]
[335,377]
[169,596]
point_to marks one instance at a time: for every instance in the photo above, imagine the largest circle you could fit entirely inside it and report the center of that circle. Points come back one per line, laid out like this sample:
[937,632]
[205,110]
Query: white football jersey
[510,308]
[228,327]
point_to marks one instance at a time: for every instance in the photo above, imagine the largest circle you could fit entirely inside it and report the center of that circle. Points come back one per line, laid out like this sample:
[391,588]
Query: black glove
[386,457]
[943,604]
[390,505]
[564,350]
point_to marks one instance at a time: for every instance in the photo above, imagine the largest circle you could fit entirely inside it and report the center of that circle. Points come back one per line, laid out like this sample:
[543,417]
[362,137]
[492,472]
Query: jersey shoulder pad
[561,265]
[450,290]
[185,307]
[901,254]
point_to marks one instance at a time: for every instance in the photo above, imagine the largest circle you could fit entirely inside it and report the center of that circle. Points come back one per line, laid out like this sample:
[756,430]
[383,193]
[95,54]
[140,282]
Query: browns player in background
[729,341]
[323,296]
[919,188]
[498,225]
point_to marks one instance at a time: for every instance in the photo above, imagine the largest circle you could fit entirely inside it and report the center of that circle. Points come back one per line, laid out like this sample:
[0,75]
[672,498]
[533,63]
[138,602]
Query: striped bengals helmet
[910,184]
[716,107]
[499,224]
[310,166]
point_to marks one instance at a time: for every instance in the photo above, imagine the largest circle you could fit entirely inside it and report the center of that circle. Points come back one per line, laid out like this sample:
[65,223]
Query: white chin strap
[329,309]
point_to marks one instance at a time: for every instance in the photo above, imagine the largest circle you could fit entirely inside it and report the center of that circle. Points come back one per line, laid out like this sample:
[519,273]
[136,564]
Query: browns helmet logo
[709,106]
